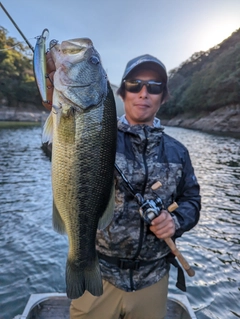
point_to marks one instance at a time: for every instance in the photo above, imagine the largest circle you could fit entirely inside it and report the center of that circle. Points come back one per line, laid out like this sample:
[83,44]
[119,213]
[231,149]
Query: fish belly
[82,178]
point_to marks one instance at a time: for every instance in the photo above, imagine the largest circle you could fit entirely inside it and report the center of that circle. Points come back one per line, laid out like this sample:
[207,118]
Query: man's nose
[143,93]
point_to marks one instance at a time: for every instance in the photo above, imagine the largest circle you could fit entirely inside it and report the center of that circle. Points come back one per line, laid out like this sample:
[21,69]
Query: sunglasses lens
[154,87]
[135,86]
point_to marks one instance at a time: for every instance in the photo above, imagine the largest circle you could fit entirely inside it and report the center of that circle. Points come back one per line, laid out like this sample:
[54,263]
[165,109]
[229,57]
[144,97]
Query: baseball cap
[144,59]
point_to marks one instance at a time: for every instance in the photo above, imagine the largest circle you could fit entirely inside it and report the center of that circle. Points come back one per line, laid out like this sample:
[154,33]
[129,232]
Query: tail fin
[77,281]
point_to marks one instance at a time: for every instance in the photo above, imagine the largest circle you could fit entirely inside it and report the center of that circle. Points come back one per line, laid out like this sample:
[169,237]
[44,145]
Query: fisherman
[133,255]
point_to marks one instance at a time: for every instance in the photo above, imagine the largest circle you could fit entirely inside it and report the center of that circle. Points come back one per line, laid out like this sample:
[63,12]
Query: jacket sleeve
[188,198]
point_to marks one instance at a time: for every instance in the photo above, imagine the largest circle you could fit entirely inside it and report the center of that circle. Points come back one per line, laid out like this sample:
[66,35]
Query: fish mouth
[80,85]
[77,85]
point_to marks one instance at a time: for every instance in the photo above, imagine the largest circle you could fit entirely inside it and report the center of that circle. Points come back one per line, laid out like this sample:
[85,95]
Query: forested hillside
[17,84]
[207,81]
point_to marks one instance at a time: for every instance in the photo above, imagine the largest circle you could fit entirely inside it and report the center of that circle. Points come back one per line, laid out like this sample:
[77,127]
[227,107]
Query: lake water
[33,256]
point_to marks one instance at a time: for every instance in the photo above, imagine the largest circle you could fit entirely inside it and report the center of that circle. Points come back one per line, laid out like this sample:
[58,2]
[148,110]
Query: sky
[171,30]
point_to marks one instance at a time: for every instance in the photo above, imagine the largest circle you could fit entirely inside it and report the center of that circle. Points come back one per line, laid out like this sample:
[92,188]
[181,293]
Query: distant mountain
[205,82]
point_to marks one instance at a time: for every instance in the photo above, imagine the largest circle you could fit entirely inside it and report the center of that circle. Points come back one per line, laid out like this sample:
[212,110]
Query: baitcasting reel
[149,208]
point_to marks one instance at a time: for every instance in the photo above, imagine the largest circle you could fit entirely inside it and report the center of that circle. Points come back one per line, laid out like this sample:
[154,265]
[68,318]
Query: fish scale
[84,128]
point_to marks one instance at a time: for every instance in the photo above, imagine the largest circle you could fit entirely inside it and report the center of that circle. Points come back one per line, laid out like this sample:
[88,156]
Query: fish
[83,130]
[39,64]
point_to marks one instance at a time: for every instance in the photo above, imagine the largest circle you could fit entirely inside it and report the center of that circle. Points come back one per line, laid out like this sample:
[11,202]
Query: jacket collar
[156,121]
[141,132]
[124,126]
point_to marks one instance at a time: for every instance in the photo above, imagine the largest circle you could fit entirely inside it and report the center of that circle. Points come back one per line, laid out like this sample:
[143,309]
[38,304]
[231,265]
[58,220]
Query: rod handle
[174,248]
[180,257]
[156,185]
[172,207]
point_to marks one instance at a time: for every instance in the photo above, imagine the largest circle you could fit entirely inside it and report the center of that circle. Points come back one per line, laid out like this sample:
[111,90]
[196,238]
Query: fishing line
[27,51]
[11,48]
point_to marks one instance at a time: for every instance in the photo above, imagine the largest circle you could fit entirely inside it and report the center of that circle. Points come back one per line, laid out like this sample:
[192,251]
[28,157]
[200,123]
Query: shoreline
[224,121]
[12,114]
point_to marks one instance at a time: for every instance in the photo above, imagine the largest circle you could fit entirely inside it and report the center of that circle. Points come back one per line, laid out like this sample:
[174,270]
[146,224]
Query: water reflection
[215,240]
[33,256]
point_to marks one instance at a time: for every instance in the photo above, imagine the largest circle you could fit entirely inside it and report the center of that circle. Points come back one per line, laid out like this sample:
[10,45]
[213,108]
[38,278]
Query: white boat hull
[39,306]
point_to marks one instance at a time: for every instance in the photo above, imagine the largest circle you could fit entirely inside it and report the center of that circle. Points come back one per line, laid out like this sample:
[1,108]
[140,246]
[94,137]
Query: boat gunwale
[35,299]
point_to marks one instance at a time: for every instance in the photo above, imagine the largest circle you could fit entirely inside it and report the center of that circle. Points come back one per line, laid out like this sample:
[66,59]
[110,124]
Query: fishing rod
[14,23]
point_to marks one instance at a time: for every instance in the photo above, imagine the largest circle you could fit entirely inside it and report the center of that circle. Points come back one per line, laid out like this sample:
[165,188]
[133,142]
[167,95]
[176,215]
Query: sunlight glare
[217,33]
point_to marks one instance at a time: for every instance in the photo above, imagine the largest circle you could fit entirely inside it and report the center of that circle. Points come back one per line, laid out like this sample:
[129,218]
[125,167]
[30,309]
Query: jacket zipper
[145,161]
[141,220]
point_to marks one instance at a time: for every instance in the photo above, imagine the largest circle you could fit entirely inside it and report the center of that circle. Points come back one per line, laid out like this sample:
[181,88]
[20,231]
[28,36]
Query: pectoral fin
[47,135]
[58,224]
[106,219]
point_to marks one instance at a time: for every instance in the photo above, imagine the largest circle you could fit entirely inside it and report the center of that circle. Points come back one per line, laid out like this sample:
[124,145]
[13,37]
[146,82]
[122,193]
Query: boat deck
[56,306]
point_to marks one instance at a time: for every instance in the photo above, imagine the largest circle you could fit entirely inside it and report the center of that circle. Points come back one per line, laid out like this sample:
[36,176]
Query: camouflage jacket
[146,155]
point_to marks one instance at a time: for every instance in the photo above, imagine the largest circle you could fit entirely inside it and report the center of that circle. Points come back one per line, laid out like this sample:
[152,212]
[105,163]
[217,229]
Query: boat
[56,306]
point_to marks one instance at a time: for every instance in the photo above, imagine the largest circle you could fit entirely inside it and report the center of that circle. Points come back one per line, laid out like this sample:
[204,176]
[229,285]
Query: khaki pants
[147,303]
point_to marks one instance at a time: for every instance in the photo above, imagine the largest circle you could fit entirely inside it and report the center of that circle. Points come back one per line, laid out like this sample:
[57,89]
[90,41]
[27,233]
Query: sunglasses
[135,86]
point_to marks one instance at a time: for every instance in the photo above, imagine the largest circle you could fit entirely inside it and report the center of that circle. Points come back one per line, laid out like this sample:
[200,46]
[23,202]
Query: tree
[206,81]
[16,72]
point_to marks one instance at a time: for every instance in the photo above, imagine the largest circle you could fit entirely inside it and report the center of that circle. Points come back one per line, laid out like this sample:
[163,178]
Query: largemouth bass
[82,127]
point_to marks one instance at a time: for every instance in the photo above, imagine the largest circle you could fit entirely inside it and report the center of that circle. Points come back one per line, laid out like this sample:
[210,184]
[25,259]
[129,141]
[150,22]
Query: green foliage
[206,81]
[17,83]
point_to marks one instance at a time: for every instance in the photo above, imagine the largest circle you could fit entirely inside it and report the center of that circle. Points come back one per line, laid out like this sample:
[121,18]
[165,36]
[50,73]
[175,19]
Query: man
[132,253]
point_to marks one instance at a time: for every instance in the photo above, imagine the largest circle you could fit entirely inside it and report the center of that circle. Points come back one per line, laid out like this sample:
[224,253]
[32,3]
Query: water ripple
[33,256]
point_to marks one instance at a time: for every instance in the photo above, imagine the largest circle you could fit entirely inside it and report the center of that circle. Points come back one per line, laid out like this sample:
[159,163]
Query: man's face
[141,107]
